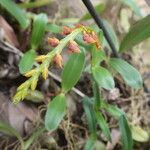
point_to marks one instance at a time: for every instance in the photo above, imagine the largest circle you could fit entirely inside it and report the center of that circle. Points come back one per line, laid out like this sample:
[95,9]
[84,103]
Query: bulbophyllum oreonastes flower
[91,38]
[73,47]
[66,30]
[53,41]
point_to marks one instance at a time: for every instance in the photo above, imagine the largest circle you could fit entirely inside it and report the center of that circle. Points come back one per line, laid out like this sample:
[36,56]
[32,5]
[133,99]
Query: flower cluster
[89,36]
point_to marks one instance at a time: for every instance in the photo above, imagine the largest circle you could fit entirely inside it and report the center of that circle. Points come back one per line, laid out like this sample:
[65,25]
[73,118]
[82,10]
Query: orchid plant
[101,78]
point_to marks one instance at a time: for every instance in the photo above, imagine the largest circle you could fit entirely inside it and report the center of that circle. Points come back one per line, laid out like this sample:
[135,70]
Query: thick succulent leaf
[34,136]
[39,27]
[103,125]
[53,28]
[133,5]
[126,135]
[72,71]
[128,72]
[99,9]
[35,4]
[113,110]
[97,56]
[35,96]
[90,143]
[90,115]
[15,11]
[138,32]
[139,134]
[27,61]
[56,110]
[103,77]
[112,34]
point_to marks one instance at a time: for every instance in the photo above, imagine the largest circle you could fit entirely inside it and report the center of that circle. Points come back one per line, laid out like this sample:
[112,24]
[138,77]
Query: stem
[33,137]
[100,24]
[35,4]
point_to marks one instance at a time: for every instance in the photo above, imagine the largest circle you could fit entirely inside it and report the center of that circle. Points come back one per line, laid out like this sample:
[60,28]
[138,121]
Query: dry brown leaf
[20,116]
[9,34]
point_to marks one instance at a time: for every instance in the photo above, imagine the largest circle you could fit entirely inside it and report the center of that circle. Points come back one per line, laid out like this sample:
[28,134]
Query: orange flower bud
[66,30]
[79,25]
[73,47]
[91,39]
[88,38]
[53,41]
[58,60]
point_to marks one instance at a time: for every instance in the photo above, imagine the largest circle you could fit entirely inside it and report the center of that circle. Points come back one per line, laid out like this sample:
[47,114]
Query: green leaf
[27,61]
[139,134]
[69,21]
[103,77]
[126,135]
[53,28]
[55,112]
[112,34]
[133,5]
[35,96]
[35,4]
[103,125]
[6,129]
[90,115]
[138,32]
[34,136]
[113,110]
[128,72]
[39,27]
[97,56]
[90,143]
[99,9]
[15,11]
[72,71]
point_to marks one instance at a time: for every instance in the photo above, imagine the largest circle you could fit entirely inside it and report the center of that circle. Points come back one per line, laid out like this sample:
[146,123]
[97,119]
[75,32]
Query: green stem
[38,3]
[33,137]
[45,65]
[60,47]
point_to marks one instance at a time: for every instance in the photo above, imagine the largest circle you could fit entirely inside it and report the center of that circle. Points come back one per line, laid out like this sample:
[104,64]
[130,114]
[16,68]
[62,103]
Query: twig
[100,24]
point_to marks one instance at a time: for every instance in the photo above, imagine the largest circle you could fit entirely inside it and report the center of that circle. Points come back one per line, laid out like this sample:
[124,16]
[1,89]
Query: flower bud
[45,73]
[23,85]
[30,73]
[66,30]
[79,25]
[91,38]
[88,38]
[34,83]
[73,47]
[53,41]
[58,60]
[40,58]
[24,93]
